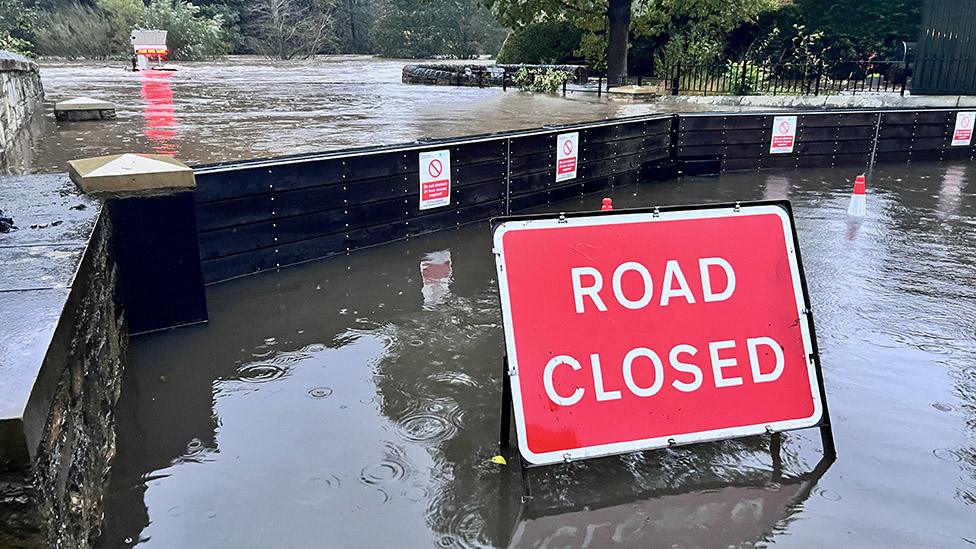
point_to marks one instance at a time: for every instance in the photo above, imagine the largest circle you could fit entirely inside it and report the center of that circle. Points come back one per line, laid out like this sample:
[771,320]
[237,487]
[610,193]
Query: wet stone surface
[354,401]
[60,363]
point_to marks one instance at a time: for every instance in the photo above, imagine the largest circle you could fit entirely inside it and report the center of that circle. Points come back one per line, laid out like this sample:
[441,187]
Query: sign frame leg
[505,430]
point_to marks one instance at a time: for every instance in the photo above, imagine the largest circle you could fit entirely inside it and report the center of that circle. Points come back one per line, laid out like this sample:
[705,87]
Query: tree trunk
[618,14]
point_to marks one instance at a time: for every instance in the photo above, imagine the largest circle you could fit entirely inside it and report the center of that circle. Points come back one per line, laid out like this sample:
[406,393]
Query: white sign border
[548,458]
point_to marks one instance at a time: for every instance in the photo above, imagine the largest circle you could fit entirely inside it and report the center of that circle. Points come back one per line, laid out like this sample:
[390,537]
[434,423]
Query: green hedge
[542,43]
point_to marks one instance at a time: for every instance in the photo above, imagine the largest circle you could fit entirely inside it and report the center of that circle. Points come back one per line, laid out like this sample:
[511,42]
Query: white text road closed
[435,179]
[784,135]
[962,134]
[567,154]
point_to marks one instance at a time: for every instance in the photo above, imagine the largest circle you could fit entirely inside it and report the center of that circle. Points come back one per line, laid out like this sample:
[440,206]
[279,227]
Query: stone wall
[444,74]
[53,496]
[20,95]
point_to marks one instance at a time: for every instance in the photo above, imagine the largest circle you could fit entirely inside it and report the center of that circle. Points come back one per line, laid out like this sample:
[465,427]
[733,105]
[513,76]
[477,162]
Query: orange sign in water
[632,331]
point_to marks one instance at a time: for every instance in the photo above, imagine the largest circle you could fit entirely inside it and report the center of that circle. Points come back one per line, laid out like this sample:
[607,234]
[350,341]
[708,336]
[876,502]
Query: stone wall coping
[10,61]
[129,174]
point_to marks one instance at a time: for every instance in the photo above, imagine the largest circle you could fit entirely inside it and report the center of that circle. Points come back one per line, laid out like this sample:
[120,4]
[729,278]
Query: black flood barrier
[156,249]
[259,215]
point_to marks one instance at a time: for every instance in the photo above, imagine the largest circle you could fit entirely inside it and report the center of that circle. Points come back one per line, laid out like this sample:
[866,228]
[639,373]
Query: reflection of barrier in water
[777,188]
[950,193]
[435,269]
[699,516]
[159,112]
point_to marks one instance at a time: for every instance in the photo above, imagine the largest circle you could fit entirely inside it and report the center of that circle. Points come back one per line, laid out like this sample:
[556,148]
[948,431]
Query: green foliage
[551,42]
[541,80]
[16,21]
[416,29]
[694,32]
[123,16]
[74,31]
[872,25]
[191,35]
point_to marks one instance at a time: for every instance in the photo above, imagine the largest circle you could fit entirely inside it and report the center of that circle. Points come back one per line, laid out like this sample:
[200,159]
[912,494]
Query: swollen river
[248,107]
[354,402]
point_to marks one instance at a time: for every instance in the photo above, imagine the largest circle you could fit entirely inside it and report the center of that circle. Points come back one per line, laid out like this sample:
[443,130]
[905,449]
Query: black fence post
[505,81]
[742,86]
[676,79]
[819,77]
[639,81]
[599,86]
[564,87]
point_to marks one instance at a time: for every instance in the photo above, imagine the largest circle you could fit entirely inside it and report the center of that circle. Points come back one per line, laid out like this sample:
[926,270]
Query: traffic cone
[607,205]
[857,207]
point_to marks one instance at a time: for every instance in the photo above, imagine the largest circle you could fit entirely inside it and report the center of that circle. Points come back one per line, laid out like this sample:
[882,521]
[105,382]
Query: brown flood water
[249,107]
[354,402]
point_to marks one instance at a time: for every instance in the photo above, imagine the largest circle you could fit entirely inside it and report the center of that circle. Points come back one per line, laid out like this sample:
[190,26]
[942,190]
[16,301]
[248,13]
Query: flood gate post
[150,200]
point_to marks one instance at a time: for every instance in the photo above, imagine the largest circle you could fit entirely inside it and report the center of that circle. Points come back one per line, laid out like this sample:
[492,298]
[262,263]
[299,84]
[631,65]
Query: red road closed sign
[634,331]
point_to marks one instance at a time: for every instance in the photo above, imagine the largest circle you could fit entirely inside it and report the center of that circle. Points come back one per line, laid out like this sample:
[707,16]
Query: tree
[286,29]
[16,21]
[869,24]
[190,34]
[353,21]
[123,16]
[431,28]
[682,28]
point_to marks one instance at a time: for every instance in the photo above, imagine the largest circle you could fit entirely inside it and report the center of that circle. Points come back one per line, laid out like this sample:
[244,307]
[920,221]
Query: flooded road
[354,402]
[249,107]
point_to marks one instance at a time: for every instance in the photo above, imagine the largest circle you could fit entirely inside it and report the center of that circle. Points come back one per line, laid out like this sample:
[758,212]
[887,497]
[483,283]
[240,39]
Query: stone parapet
[20,95]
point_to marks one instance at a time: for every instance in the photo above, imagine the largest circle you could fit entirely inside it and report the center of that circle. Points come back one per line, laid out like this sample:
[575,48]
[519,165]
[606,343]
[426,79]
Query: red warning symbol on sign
[435,168]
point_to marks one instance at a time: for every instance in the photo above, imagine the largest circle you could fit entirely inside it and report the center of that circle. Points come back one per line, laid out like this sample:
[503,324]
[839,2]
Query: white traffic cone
[857,207]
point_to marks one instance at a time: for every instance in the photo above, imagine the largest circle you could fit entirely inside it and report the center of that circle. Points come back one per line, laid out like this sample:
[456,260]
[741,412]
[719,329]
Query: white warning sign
[962,134]
[567,155]
[784,135]
[435,179]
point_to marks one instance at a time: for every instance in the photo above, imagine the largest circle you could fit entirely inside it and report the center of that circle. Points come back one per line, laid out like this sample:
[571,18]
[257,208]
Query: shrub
[123,15]
[16,20]
[541,81]
[554,42]
[74,31]
[191,35]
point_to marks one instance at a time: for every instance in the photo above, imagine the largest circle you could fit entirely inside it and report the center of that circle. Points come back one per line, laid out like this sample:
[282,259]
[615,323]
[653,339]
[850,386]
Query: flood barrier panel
[264,214]
[261,215]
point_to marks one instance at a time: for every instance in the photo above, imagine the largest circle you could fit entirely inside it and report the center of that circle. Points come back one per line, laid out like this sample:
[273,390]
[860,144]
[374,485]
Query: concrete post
[150,201]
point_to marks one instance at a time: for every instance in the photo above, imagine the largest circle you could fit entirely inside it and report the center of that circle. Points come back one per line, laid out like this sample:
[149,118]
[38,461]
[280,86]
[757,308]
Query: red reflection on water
[159,111]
